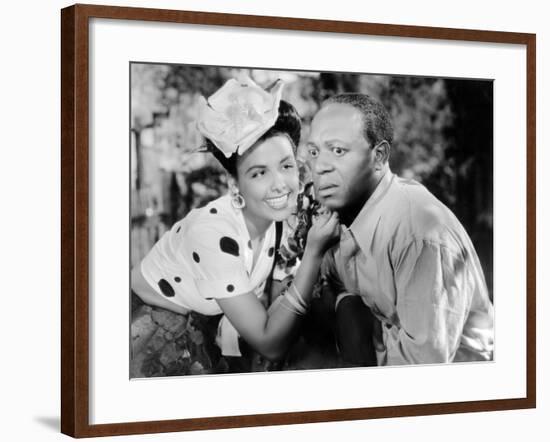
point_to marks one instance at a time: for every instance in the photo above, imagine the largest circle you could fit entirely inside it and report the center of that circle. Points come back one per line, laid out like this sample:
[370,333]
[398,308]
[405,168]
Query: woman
[218,258]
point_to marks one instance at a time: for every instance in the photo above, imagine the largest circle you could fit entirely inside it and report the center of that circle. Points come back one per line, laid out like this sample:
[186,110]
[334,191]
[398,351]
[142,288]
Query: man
[401,251]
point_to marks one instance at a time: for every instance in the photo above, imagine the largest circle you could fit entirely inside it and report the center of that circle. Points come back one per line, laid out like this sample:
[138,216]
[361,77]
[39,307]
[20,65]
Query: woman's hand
[324,232]
[271,333]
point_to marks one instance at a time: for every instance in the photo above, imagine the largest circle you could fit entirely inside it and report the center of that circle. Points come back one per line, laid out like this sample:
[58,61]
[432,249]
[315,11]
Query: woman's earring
[301,187]
[237,200]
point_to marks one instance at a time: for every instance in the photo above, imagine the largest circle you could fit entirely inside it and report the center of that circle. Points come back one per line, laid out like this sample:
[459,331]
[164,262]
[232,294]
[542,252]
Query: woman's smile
[279,202]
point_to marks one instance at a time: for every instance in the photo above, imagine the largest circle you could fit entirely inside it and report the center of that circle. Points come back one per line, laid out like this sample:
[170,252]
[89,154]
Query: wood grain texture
[68,404]
[531,223]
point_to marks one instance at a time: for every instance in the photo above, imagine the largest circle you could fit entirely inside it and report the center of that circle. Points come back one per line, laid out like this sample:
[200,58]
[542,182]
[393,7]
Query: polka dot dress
[208,256]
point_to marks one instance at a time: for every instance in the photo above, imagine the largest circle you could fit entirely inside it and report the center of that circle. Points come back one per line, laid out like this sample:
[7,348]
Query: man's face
[340,157]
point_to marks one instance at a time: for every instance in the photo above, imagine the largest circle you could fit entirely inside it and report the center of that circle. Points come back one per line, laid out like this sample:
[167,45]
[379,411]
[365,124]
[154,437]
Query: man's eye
[338,151]
[313,153]
[288,166]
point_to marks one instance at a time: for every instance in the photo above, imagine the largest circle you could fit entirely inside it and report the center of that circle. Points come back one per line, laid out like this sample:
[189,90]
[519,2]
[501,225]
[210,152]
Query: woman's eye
[258,174]
[338,151]
[313,153]
[288,166]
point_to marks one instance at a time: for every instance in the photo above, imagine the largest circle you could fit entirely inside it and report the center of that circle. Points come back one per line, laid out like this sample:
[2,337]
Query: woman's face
[268,179]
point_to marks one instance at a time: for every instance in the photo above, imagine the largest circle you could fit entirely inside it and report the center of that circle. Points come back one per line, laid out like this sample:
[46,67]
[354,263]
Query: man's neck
[349,213]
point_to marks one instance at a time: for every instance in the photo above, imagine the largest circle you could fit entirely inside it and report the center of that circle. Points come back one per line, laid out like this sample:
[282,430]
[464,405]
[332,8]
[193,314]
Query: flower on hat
[238,114]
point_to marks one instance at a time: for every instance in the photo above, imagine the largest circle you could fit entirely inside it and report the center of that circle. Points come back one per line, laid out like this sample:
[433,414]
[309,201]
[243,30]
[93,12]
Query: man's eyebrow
[288,157]
[334,140]
[327,144]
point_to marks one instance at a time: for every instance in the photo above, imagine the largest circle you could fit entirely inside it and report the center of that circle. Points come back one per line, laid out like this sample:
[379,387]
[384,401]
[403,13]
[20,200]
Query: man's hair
[377,125]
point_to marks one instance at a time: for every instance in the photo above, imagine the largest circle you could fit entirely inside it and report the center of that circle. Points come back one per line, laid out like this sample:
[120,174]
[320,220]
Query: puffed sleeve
[434,288]
[216,250]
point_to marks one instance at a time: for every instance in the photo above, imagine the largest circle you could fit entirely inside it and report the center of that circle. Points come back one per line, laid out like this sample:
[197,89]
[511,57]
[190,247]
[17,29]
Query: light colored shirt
[413,264]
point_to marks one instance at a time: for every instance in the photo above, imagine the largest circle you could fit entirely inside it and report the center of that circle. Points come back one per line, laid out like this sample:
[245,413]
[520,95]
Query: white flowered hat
[238,114]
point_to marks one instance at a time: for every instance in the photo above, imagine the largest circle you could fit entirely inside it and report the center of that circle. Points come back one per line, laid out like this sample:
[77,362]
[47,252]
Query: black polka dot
[177,279]
[196,257]
[270,252]
[249,244]
[229,245]
[166,289]
[213,210]
[178,231]
[230,288]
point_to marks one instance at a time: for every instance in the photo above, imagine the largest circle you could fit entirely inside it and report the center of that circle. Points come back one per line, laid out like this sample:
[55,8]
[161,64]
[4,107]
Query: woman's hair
[288,124]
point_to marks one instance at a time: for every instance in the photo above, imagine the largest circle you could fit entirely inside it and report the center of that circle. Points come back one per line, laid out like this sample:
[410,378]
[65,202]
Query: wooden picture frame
[76,217]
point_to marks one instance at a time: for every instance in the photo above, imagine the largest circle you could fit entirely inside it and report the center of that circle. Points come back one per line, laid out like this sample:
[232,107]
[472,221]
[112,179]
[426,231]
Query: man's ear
[382,154]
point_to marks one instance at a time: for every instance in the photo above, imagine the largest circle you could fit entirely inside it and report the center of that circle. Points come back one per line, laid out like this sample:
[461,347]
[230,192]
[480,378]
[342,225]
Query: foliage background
[443,139]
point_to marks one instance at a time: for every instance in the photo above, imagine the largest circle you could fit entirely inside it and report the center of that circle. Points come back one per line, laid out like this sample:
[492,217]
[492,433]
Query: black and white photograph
[271,221]
[291,220]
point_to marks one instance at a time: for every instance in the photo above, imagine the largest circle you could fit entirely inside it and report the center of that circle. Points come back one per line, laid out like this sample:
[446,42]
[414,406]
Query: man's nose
[322,164]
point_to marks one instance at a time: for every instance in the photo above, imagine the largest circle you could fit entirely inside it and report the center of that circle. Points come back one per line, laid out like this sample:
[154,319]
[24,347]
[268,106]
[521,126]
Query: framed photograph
[272,221]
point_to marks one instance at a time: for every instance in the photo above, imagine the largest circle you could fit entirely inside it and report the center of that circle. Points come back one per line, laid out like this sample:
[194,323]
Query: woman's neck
[256,226]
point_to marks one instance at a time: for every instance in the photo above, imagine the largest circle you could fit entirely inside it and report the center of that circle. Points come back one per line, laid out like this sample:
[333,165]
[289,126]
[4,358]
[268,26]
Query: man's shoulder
[416,207]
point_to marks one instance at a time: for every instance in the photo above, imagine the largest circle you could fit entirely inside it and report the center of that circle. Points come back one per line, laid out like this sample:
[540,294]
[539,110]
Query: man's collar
[363,227]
